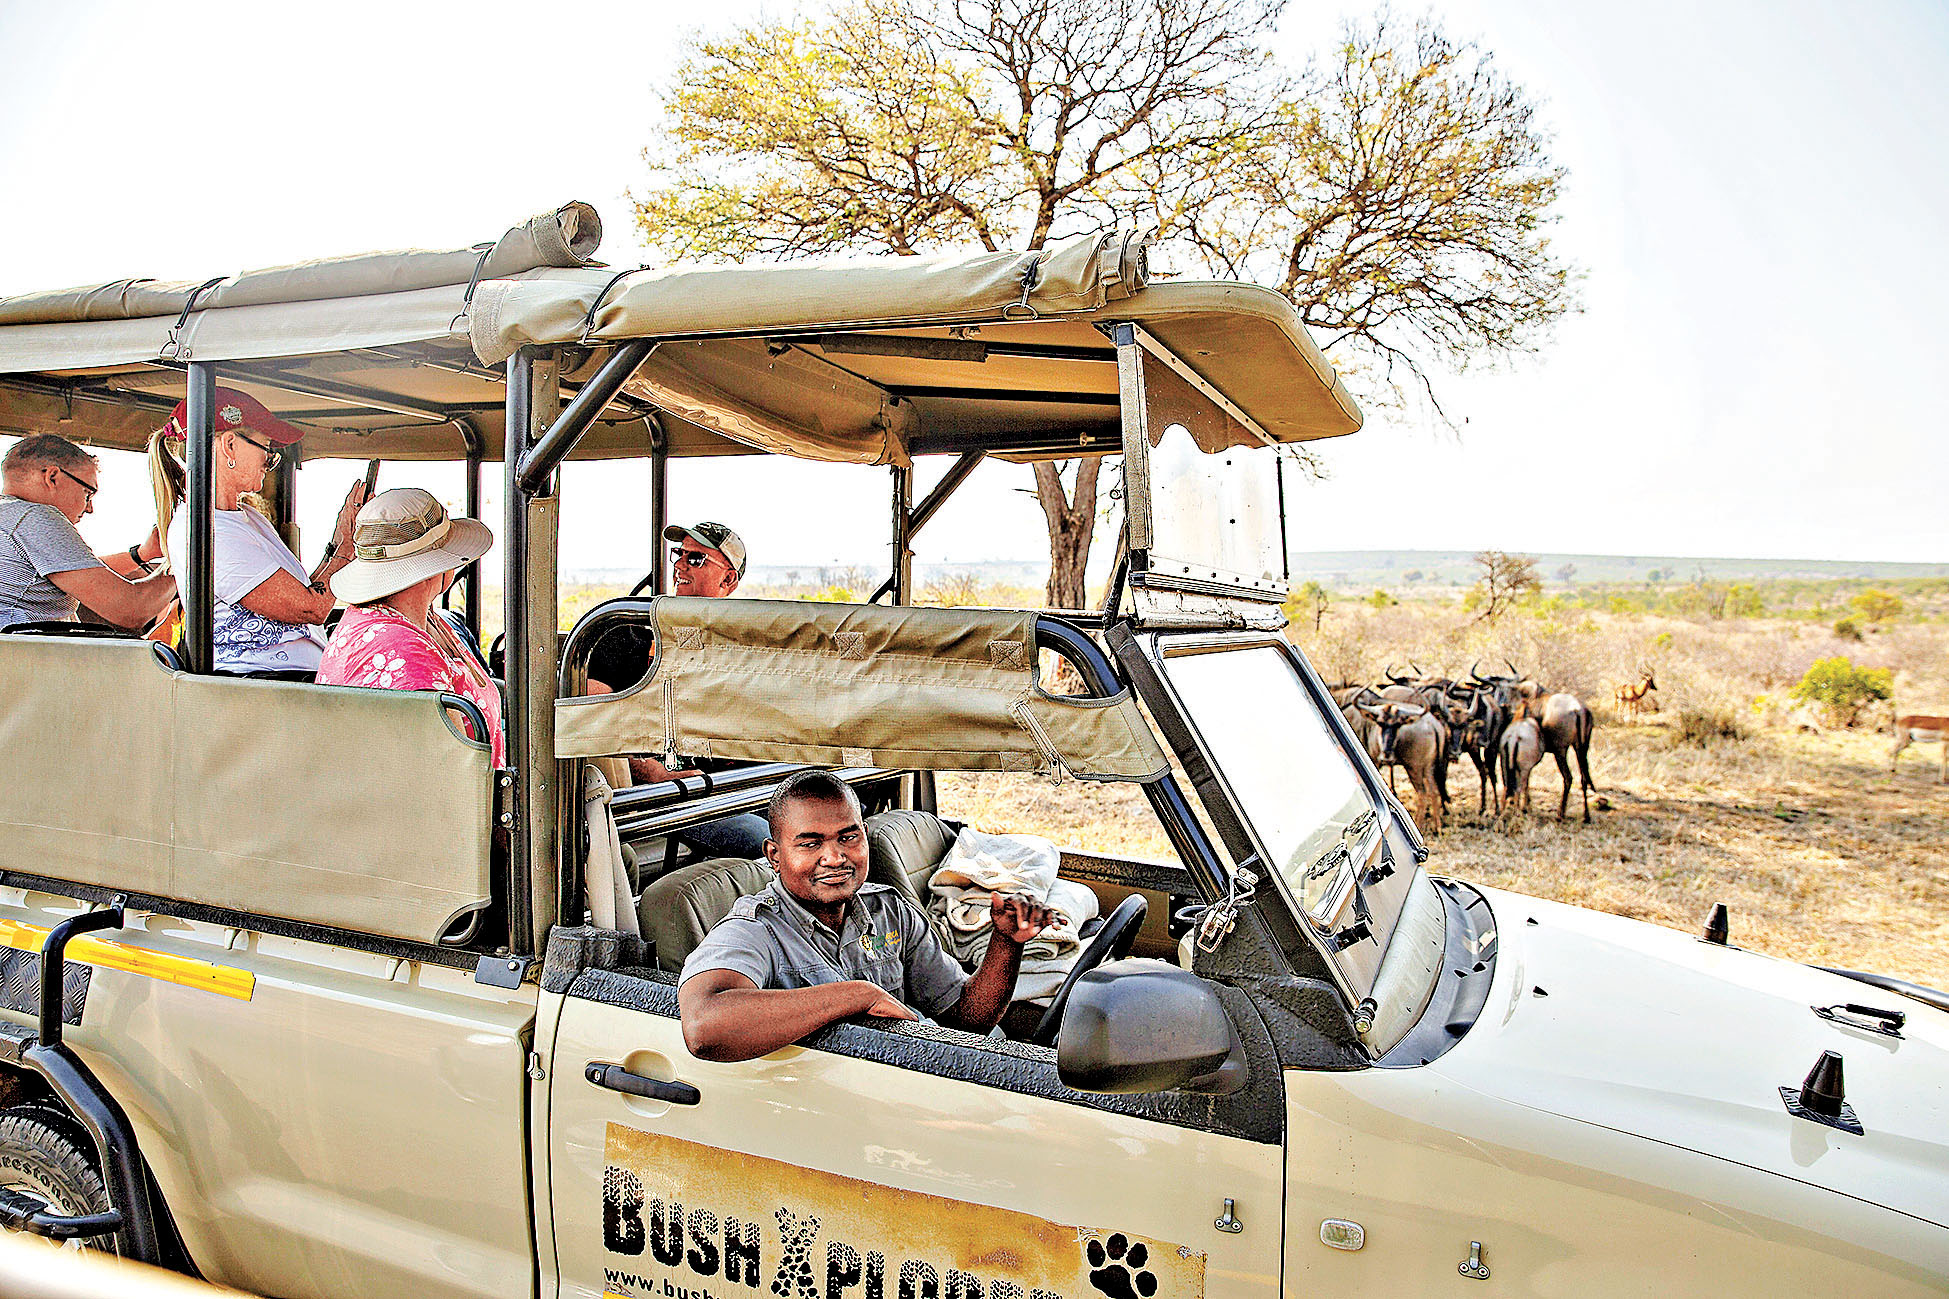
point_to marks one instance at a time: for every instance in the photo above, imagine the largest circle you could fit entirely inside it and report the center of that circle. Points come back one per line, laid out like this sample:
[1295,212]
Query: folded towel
[978,867]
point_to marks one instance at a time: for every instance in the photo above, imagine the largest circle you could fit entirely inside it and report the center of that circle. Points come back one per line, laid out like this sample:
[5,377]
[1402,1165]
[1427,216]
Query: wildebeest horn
[1513,668]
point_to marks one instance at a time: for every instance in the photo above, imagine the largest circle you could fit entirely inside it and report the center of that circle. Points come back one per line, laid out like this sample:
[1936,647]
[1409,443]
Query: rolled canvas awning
[857,685]
[1004,352]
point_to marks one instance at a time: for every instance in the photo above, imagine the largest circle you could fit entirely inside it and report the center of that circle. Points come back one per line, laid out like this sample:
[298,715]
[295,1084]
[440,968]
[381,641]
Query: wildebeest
[1521,748]
[1921,728]
[1565,725]
[1414,739]
[1496,697]
[1635,698]
[1475,721]
[1431,693]
[1365,729]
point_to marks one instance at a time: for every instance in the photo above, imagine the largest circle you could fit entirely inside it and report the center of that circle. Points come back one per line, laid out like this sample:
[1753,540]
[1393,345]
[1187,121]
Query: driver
[819,944]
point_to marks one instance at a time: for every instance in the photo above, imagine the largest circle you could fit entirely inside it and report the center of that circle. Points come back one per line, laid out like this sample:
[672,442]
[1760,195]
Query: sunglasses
[82,483]
[271,457]
[693,558]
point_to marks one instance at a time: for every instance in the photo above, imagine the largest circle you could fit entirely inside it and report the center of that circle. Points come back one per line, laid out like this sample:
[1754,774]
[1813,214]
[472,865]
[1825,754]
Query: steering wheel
[1112,942]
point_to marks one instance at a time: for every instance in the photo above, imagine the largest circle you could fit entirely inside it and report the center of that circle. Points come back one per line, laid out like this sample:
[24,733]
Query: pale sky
[1756,195]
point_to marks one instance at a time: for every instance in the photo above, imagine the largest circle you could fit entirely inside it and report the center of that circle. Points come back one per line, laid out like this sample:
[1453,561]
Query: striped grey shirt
[37,541]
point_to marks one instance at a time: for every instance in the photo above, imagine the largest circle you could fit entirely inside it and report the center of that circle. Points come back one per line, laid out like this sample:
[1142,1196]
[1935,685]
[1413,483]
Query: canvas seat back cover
[354,809]
[857,686]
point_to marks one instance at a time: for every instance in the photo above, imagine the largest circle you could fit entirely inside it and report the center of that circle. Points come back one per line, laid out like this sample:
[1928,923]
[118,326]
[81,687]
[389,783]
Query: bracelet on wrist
[135,554]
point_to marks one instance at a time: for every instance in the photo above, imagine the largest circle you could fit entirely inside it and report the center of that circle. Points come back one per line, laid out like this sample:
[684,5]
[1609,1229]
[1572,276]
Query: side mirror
[1147,1026]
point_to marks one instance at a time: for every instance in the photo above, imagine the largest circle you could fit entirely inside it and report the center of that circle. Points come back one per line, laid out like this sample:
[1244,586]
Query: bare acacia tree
[1395,192]
[1505,579]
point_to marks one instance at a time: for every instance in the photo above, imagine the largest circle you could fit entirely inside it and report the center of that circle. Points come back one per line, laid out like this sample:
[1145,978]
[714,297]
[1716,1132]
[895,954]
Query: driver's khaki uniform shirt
[772,940]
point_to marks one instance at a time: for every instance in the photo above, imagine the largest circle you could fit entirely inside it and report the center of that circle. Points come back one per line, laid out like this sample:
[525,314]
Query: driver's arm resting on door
[736,1005]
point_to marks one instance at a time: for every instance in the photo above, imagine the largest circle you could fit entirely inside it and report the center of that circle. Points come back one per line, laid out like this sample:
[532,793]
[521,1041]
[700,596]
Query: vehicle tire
[48,1155]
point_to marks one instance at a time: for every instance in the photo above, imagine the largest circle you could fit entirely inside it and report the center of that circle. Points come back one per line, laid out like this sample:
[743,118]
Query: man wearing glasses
[708,560]
[45,566]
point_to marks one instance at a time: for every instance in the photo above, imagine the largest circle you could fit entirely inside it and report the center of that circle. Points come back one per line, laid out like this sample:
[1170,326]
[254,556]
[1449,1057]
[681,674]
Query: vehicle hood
[1644,1030]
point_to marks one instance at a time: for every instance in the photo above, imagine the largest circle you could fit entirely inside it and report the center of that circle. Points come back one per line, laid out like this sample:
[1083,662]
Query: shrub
[1705,726]
[1847,629]
[1381,599]
[1841,690]
[1877,605]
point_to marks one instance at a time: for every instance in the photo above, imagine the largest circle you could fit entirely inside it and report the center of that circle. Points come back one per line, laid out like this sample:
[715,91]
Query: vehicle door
[914,1163]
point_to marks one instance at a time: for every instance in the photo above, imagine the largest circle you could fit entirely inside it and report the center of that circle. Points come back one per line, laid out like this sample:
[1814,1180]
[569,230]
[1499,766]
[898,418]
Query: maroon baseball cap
[236,412]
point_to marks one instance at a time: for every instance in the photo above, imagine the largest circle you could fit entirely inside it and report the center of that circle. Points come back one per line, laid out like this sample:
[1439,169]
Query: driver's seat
[678,909]
[905,848]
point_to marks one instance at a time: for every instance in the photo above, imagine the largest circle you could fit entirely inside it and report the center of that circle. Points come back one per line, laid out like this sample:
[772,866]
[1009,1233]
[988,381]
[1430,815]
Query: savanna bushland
[1760,781]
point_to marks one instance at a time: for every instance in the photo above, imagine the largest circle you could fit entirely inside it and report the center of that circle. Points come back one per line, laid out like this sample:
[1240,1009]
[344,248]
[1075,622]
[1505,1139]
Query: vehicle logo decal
[682,1220]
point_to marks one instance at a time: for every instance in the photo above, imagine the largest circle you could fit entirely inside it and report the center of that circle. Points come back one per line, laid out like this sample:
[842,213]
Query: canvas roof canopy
[862,360]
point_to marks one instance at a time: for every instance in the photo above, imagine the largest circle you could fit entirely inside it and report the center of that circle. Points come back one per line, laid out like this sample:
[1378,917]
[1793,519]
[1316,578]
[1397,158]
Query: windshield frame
[1353,966]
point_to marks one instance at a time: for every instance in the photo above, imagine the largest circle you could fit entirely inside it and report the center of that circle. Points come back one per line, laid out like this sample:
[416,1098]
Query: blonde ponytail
[166,479]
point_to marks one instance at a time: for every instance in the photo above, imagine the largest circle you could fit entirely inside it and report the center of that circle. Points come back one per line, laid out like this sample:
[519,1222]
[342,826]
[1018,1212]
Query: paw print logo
[1117,1268]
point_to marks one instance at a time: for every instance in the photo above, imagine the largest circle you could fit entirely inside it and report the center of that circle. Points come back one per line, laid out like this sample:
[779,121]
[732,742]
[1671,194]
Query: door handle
[618,1079]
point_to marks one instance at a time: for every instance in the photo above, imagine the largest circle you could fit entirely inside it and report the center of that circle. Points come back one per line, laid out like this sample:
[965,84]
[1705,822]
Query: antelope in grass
[1635,699]
[1921,728]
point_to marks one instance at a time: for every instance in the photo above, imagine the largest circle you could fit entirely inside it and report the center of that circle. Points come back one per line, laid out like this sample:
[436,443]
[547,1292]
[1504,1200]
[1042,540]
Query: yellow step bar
[107,954]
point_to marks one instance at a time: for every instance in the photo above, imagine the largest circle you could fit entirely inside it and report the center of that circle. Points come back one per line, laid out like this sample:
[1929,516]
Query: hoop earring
[231,463]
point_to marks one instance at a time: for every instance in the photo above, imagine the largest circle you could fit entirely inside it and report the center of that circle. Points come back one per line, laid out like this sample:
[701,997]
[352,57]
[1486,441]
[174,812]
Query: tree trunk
[1071,517]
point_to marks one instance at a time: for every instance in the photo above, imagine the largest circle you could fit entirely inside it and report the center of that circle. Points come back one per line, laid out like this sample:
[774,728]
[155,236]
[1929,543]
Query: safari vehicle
[332,1007]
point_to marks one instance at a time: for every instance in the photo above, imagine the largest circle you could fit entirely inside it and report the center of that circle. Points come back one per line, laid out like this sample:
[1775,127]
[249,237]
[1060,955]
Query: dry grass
[1821,855]
[1818,852]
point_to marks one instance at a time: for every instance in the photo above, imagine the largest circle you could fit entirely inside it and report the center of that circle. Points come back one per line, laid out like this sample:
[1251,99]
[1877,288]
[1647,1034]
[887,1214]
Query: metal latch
[1228,1221]
[1870,1019]
[504,798]
[1221,917]
[502,971]
[1473,1266]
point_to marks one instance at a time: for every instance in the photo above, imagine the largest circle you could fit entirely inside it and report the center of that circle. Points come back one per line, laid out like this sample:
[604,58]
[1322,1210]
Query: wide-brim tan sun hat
[402,536]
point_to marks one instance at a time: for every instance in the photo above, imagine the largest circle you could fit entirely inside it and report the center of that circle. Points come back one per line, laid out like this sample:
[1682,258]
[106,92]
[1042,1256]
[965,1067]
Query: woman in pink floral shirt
[408,550]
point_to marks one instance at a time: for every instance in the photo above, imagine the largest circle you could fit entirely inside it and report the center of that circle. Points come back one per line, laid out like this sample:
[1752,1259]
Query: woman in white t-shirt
[270,613]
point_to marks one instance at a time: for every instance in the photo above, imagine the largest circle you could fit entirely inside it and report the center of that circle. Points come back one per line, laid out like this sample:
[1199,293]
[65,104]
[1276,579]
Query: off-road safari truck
[303,995]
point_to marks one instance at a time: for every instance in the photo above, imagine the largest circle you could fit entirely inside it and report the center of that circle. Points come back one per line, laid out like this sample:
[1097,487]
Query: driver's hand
[886,1007]
[1016,918]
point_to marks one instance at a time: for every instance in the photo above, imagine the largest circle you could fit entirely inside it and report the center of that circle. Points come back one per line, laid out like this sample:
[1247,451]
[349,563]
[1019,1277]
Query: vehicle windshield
[1292,779]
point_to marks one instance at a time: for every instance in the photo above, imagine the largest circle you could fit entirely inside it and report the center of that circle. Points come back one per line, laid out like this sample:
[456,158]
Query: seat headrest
[904,849]
[678,909]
